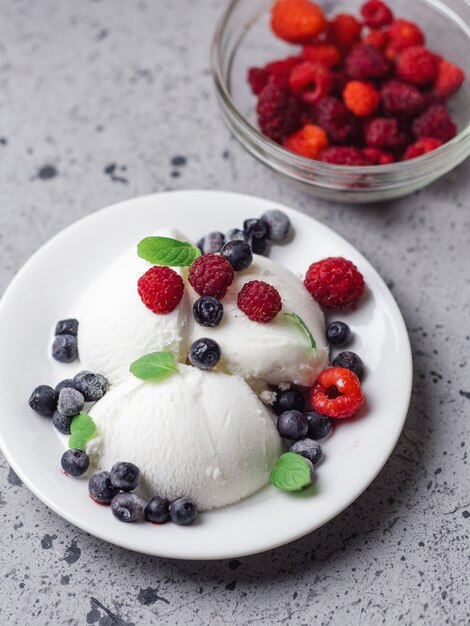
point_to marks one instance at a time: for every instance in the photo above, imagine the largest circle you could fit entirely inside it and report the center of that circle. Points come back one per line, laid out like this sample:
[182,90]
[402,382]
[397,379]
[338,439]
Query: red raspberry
[361,98]
[449,79]
[322,52]
[436,122]
[422,146]
[334,117]
[297,21]
[376,14]
[378,157]
[259,301]
[417,65]
[334,282]
[401,100]
[160,289]
[403,34]
[344,155]
[278,113]
[309,141]
[210,275]
[277,72]
[344,31]
[376,38]
[337,393]
[385,133]
[365,62]
[311,81]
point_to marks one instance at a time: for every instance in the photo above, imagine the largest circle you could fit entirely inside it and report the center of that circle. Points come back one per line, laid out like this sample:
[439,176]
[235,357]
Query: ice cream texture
[203,434]
[116,328]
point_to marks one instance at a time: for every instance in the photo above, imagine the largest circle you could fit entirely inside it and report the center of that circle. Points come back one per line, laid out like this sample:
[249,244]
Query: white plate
[46,290]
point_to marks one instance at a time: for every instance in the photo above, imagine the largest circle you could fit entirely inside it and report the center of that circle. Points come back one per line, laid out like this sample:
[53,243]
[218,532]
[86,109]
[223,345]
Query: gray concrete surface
[97,98]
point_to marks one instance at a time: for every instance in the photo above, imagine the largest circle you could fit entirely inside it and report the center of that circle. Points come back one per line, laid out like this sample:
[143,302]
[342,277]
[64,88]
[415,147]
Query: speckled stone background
[105,100]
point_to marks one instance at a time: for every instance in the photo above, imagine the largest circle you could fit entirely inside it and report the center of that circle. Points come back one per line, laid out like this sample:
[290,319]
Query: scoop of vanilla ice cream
[201,434]
[116,328]
[275,352]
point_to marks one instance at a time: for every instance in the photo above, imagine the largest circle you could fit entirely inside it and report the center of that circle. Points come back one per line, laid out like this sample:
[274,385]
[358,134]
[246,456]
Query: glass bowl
[243,39]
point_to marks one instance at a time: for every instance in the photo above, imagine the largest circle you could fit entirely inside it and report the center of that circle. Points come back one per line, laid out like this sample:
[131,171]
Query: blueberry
[65,349]
[288,400]
[70,402]
[258,229]
[292,425]
[238,254]
[64,384]
[259,246]
[318,425]
[43,400]
[236,234]
[183,511]
[208,311]
[351,361]
[309,449]
[127,507]
[278,224]
[92,386]
[157,510]
[101,488]
[338,333]
[62,422]
[67,327]
[211,242]
[75,462]
[204,353]
[125,476]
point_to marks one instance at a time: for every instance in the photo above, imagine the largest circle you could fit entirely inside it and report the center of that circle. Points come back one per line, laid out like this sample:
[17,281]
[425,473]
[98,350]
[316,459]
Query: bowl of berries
[356,102]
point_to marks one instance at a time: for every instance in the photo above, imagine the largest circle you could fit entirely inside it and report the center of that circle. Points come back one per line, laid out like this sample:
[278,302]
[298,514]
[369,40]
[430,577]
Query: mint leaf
[154,366]
[167,251]
[301,324]
[82,429]
[291,473]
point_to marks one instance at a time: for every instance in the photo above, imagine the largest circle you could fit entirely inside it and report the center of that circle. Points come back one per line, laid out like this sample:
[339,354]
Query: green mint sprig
[82,429]
[292,472]
[303,326]
[154,366]
[167,251]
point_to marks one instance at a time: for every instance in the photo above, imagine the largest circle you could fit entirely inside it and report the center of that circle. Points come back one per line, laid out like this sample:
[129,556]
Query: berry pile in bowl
[364,90]
[203,373]
[341,96]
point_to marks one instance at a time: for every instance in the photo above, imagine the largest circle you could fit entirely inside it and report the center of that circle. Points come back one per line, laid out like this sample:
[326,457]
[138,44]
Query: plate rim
[405,395]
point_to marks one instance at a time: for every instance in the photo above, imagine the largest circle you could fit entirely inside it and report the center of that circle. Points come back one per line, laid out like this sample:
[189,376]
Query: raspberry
[344,155]
[376,14]
[309,141]
[378,157]
[401,100]
[361,98]
[277,72]
[334,282]
[422,146]
[376,38]
[322,52]
[385,133]
[366,62]
[334,117]
[311,81]
[436,122]
[278,113]
[210,275]
[417,65]
[160,289]
[297,21]
[449,79]
[344,30]
[403,34]
[259,301]
[337,393]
